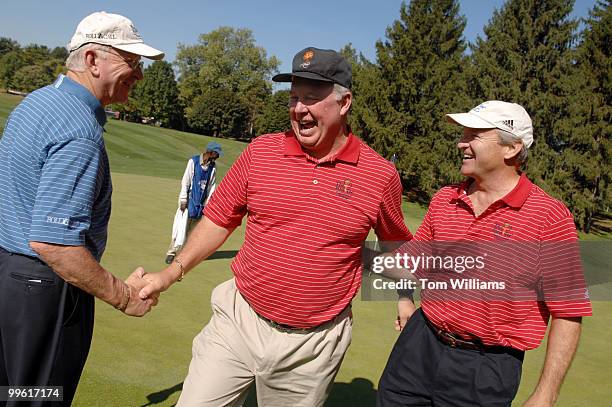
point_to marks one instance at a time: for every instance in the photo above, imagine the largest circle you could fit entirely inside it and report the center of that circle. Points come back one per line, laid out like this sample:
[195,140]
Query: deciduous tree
[225,61]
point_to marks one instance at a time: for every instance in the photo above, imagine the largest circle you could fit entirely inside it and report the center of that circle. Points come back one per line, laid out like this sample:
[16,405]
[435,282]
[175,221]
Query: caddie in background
[470,353]
[197,186]
[55,196]
[311,195]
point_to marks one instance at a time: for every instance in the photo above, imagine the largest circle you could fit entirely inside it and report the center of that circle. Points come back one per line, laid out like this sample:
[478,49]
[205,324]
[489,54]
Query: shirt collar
[349,152]
[67,85]
[515,198]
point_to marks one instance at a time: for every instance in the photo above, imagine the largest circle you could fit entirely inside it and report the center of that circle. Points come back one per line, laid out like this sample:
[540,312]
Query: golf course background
[142,362]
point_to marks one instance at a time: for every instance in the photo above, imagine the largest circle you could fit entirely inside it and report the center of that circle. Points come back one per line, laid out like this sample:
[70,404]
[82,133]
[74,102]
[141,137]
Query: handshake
[141,291]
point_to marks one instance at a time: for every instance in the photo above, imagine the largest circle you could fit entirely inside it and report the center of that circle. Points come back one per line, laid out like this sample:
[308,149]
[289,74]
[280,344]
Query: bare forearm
[76,265]
[563,341]
[203,241]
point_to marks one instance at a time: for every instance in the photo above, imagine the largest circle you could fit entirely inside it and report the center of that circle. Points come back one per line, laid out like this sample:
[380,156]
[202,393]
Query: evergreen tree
[526,57]
[157,95]
[371,110]
[421,73]
[584,164]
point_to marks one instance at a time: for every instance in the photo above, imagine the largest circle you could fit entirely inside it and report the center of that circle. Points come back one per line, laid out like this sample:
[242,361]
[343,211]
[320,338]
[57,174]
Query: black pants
[423,371]
[46,327]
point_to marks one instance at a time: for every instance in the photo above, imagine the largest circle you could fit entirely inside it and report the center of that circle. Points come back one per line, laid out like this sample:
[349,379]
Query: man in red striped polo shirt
[311,195]
[466,352]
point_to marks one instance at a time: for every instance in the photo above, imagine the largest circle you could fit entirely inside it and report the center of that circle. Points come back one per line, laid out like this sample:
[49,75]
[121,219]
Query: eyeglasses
[132,63]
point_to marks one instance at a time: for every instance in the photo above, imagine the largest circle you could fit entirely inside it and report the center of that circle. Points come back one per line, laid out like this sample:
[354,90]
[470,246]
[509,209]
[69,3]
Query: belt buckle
[277,326]
[450,339]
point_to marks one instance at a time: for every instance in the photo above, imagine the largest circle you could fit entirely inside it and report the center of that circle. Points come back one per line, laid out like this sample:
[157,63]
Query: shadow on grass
[602,225]
[223,254]
[358,393]
[162,395]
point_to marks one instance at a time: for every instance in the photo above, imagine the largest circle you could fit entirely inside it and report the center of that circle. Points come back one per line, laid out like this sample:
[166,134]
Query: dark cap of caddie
[320,65]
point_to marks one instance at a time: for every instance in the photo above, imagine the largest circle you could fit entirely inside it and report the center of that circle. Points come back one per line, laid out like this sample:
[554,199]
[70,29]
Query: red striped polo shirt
[525,214]
[300,263]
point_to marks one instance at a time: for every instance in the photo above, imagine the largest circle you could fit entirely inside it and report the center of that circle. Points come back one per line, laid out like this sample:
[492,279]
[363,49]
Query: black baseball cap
[320,65]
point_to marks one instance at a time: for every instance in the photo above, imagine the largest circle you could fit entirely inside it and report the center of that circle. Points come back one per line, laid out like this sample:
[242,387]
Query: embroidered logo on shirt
[62,221]
[343,188]
[502,230]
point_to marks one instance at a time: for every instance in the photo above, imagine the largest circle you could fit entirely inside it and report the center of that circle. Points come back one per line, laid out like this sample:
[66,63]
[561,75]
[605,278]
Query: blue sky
[281,27]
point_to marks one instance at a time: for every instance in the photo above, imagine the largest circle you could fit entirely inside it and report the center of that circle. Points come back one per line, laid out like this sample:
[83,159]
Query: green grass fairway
[142,362]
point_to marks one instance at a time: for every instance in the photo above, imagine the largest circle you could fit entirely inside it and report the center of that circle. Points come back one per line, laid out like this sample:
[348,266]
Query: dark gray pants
[46,327]
[423,371]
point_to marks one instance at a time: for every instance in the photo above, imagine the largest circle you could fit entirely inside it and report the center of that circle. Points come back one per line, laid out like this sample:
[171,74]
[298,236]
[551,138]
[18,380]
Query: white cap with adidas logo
[495,114]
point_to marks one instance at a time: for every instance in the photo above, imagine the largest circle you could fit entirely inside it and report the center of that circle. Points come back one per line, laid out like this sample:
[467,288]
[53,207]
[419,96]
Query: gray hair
[508,139]
[76,59]
[340,91]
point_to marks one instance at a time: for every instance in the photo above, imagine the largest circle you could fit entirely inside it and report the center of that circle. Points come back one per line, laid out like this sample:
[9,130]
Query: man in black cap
[311,196]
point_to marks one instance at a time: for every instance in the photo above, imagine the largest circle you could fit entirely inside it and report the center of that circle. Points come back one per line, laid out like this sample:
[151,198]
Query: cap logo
[307,57]
[135,32]
[100,36]
[509,123]
[479,107]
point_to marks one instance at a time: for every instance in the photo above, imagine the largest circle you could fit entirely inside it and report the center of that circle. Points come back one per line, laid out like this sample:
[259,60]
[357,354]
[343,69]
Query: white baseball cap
[113,30]
[495,114]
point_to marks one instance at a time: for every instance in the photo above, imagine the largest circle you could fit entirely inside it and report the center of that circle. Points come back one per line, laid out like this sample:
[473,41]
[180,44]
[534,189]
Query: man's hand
[405,309]
[183,206]
[203,241]
[136,306]
[155,284]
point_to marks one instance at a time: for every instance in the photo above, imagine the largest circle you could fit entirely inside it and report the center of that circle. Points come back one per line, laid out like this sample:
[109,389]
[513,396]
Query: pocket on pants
[220,293]
[32,284]
[71,308]
[498,379]
[344,337]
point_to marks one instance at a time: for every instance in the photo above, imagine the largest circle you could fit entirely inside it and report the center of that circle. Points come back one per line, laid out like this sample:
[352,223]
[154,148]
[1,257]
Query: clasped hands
[144,291]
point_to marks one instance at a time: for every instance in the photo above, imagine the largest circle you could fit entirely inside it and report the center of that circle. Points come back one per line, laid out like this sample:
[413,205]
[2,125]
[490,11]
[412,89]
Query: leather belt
[287,328]
[292,329]
[454,341]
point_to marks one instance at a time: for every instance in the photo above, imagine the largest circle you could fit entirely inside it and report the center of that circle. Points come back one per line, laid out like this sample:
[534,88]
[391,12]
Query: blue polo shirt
[55,183]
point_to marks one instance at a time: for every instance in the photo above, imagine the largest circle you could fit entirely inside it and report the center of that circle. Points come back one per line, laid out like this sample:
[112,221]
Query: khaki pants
[238,347]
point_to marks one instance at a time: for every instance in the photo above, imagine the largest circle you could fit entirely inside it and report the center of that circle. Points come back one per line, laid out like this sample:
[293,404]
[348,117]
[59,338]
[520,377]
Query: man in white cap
[55,192]
[454,351]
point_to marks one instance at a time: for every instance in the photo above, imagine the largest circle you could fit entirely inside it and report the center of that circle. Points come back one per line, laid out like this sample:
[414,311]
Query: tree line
[28,68]
[532,53]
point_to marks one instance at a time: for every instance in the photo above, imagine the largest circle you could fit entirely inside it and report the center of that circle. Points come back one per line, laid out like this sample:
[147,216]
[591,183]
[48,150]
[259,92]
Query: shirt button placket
[315,174]
[315,180]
